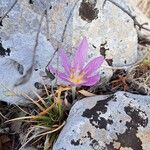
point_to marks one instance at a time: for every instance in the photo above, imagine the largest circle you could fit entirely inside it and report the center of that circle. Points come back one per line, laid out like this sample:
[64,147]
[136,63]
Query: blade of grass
[42,127]
[42,134]
[40,98]
[46,89]
[14,93]
[23,110]
[49,132]
[21,118]
[38,105]
[46,111]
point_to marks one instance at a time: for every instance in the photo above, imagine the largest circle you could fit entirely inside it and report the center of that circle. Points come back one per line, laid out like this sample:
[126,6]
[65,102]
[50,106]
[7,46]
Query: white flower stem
[73,92]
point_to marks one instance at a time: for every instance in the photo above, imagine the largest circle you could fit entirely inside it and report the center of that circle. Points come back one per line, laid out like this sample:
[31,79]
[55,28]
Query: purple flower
[78,73]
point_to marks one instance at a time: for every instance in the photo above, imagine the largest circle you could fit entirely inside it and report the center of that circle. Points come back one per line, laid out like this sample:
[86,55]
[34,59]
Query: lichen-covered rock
[110,33]
[14,65]
[115,122]
[109,29]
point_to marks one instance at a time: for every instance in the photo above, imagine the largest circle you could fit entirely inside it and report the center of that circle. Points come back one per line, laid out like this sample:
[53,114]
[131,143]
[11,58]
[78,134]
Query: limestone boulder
[113,122]
[110,33]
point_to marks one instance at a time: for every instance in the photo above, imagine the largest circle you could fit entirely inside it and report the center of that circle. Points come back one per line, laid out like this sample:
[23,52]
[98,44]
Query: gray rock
[115,122]
[15,66]
[109,29]
[18,33]
[68,21]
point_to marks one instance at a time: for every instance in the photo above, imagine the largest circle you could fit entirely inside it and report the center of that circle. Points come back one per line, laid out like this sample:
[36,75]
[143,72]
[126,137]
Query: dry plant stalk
[144,6]
[139,76]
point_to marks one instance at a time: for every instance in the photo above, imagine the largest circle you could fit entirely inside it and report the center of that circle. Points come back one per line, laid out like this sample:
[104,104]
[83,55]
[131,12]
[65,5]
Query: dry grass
[47,120]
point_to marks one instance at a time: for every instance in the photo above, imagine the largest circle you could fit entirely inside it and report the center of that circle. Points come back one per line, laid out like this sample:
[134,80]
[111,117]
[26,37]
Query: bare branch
[47,24]
[1,18]
[136,23]
[28,73]
[63,34]
[48,6]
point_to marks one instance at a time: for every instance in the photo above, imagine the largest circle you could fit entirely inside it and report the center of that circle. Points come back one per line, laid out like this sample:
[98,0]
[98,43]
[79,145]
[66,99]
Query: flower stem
[73,92]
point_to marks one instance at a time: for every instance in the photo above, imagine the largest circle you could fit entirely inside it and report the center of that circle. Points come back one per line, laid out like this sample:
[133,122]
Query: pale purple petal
[57,73]
[92,80]
[81,55]
[65,61]
[63,76]
[52,70]
[93,65]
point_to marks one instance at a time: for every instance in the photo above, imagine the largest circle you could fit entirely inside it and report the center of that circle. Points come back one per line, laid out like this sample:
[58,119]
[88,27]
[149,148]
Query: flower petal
[57,73]
[92,80]
[63,76]
[81,55]
[53,70]
[93,65]
[65,61]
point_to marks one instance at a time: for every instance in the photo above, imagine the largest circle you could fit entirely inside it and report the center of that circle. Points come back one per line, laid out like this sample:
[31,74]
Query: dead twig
[121,81]
[63,34]
[136,23]
[47,20]
[28,73]
[1,18]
